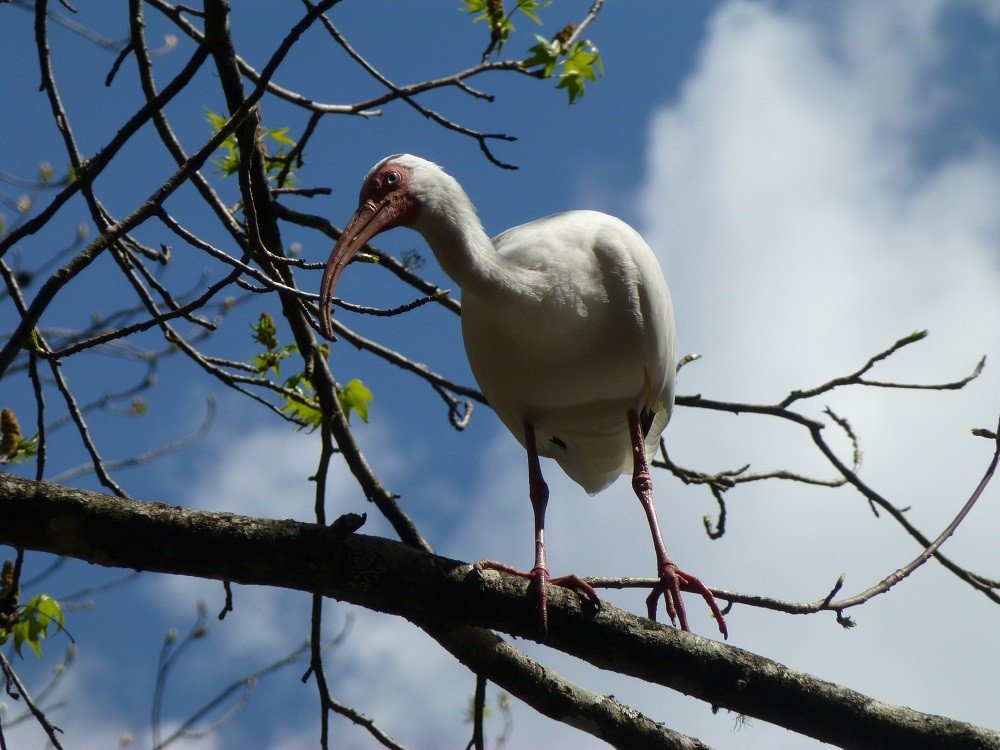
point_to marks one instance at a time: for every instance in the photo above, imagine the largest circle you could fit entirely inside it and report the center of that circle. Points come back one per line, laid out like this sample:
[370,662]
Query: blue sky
[817,180]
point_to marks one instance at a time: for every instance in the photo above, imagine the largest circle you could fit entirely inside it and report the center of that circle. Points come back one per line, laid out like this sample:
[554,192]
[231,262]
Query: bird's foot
[539,579]
[672,581]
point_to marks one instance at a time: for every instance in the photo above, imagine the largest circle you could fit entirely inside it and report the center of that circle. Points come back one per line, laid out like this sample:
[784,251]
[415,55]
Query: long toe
[694,585]
[580,586]
[690,583]
[651,601]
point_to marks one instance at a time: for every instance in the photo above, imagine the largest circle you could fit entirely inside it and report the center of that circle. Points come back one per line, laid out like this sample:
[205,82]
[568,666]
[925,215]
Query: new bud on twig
[10,433]
[563,35]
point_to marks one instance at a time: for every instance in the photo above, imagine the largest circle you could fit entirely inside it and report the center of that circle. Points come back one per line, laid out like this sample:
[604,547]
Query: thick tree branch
[443,595]
[110,532]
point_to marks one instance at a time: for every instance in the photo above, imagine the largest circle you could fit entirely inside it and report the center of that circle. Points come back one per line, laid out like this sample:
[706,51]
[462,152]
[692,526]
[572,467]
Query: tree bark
[441,595]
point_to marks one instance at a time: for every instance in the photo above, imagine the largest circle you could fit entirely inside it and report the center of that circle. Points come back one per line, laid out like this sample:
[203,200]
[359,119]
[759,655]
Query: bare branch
[856,378]
[392,577]
[174,13]
[581,27]
[144,458]
[51,287]
[482,138]
[17,691]
[105,155]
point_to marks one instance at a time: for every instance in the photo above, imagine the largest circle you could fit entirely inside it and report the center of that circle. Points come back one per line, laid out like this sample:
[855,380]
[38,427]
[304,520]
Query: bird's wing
[603,266]
[656,317]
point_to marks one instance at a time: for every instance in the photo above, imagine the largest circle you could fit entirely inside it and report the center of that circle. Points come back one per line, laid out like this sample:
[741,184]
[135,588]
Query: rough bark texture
[439,595]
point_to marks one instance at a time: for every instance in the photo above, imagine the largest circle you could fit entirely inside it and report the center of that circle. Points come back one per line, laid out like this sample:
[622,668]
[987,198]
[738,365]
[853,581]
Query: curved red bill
[368,220]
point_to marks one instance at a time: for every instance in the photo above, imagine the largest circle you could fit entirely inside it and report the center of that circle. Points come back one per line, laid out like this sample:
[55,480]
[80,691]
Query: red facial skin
[385,202]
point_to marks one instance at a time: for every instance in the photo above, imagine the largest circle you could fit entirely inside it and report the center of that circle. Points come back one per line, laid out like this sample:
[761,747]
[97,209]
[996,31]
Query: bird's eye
[392,178]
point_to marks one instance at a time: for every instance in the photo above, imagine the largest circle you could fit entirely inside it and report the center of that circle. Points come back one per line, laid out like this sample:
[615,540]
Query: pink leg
[539,575]
[672,578]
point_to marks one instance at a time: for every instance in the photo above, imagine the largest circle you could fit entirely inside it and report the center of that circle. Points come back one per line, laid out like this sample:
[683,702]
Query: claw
[672,581]
[539,580]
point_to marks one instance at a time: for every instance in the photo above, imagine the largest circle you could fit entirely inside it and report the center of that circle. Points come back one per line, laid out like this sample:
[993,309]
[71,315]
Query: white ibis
[569,329]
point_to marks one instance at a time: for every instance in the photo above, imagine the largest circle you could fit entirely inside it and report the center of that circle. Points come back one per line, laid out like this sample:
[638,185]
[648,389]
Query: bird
[569,329]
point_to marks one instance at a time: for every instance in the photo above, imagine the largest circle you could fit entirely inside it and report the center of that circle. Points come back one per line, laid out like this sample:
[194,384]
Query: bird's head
[392,195]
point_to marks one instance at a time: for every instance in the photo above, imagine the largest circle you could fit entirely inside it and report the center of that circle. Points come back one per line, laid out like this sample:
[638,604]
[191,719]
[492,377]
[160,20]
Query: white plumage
[569,330]
[587,334]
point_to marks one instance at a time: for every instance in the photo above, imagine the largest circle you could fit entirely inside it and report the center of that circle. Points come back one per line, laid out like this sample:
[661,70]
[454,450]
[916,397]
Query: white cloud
[803,230]
[263,473]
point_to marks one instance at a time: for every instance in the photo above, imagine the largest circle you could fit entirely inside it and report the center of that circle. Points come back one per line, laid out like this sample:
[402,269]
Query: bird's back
[588,335]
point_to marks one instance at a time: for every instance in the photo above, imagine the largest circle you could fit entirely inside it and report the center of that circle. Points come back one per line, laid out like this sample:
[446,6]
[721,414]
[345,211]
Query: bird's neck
[464,250]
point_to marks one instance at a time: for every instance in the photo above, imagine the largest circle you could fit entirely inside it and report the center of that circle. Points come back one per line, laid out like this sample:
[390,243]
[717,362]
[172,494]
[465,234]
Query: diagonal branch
[856,378]
[482,138]
[828,603]
[443,596]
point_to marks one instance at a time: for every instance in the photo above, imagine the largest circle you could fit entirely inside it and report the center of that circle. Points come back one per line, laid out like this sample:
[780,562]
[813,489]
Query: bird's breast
[562,352]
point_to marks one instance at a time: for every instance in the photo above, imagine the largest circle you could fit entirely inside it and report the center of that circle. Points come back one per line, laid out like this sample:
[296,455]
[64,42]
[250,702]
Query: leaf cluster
[229,162]
[494,14]
[355,396]
[14,447]
[32,624]
[573,66]
[303,407]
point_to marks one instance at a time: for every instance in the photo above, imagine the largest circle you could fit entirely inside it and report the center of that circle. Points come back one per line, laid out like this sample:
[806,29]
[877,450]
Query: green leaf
[582,64]
[33,343]
[26,449]
[545,53]
[355,396]
[492,12]
[230,163]
[528,7]
[306,414]
[579,64]
[48,610]
[584,58]
[32,627]
[73,174]
[215,119]
[20,631]
[474,6]
[281,136]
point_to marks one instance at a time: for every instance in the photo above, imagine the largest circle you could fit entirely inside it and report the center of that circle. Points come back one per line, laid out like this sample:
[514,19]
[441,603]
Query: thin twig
[125,52]
[144,458]
[482,138]
[478,741]
[827,603]
[22,693]
[856,378]
[55,282]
